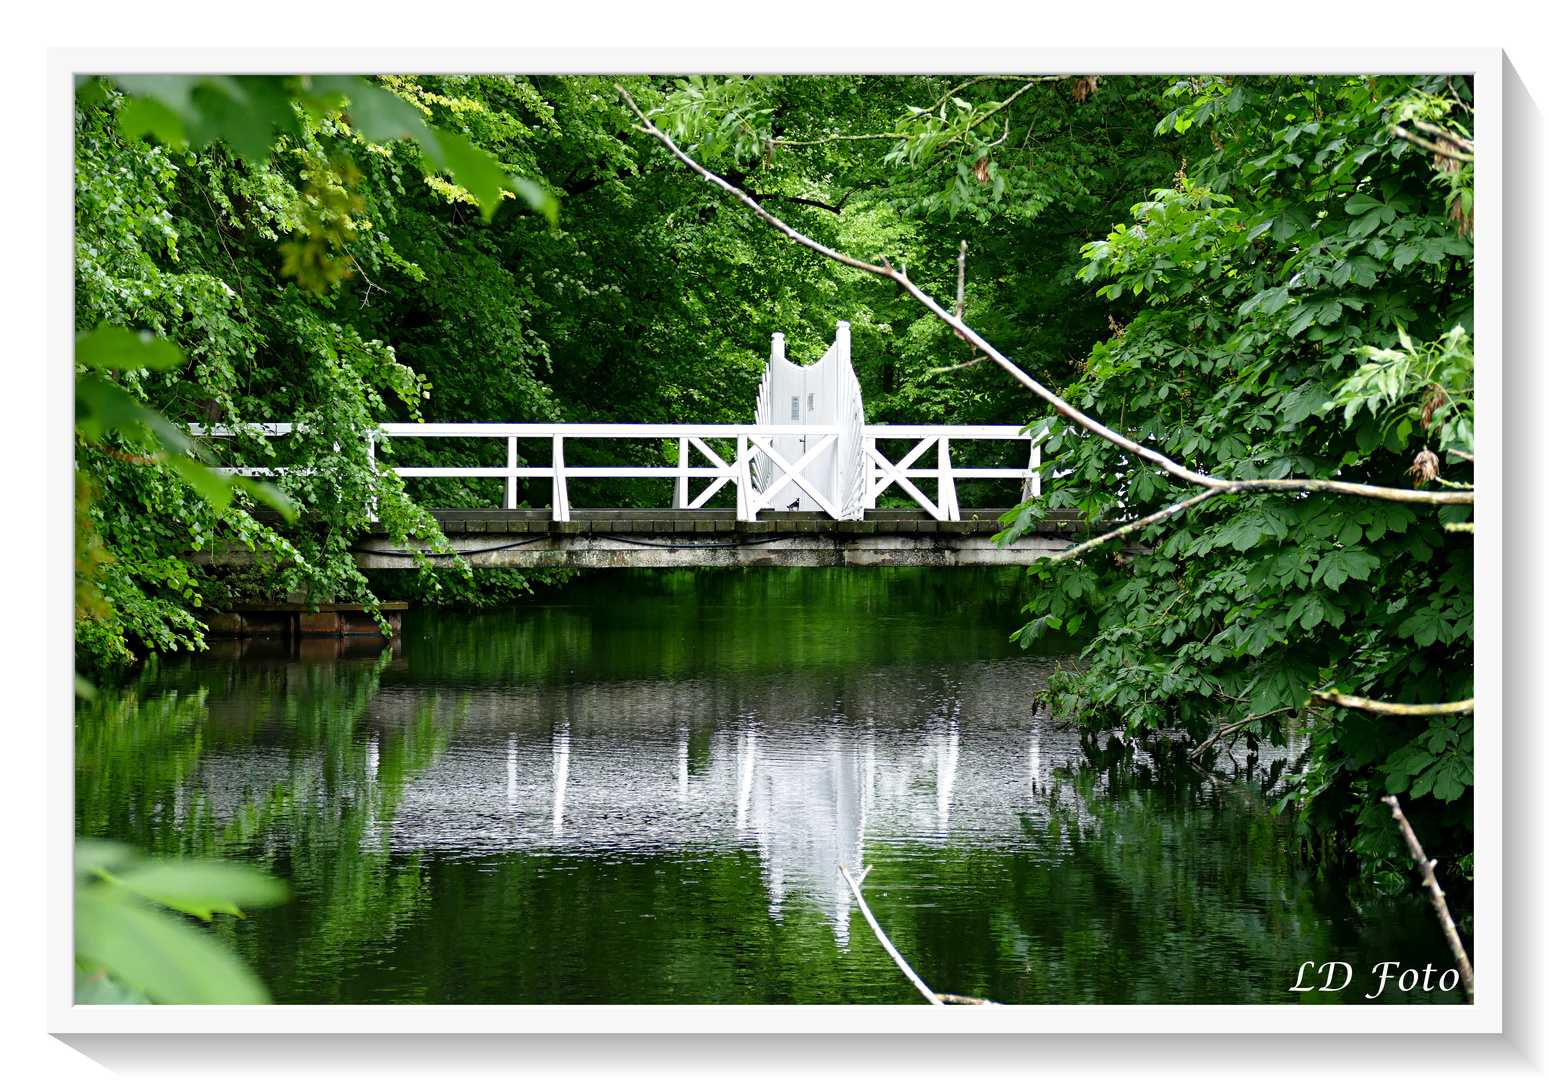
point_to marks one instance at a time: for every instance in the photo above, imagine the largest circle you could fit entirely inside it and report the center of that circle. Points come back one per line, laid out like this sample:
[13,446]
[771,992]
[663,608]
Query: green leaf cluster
[129,948]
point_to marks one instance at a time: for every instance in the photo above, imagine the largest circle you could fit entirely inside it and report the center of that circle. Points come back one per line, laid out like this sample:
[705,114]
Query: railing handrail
[637,431]
[879,472]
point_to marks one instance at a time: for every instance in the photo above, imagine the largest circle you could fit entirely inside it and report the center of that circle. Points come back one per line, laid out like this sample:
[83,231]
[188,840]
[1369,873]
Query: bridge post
[1032,484]
[511,460]
[869,473]
[680,484]
[744,477]
[561,493]
[371,464]
[946,487]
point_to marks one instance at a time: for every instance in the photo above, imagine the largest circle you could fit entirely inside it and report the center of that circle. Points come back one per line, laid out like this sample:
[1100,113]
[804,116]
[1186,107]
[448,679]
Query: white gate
[824,395]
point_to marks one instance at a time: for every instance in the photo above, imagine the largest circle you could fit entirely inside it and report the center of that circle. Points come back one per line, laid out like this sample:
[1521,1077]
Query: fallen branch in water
[1438,898]
[930,995]
[962,999]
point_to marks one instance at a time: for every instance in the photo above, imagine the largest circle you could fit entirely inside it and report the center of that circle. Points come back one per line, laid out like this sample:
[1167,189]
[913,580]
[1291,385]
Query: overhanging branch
[1392,708]
[1060,405]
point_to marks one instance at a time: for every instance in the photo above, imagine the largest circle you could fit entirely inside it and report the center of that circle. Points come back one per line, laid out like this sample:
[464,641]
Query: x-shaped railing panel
[895,474]
[729,473]
[758,500]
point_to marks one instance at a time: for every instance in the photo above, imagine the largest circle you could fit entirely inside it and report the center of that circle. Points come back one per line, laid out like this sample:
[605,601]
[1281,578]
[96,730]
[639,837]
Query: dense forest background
[1260,276]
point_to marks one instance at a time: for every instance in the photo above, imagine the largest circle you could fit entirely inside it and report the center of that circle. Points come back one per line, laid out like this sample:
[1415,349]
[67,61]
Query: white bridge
[808,461]
[818,455]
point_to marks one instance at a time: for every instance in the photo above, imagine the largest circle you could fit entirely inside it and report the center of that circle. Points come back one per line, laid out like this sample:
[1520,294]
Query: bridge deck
[707,538]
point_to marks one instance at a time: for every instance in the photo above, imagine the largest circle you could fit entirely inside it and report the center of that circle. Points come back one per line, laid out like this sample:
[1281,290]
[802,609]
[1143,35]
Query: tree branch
[1391,708]
[960,87]
[596,180]
[1227,729]
[831,208]
[1438,898]
[1012,98]
[1455,152]
[1064,408]
[832,138]
[903,965]
[740,180]
[1129,527]
[962,271]
[956,367]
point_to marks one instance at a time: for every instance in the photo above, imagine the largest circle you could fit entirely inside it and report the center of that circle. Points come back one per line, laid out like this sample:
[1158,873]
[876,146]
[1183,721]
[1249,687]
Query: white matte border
[1485,1016]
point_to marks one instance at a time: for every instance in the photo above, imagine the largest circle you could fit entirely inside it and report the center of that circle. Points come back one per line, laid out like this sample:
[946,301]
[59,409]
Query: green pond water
[640,789]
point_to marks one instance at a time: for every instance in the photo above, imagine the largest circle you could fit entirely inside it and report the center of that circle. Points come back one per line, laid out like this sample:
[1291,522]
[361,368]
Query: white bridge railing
[786,479]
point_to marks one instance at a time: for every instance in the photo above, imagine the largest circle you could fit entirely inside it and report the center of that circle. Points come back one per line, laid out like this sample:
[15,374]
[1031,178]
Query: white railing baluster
[512,463]
[946,489]
[680,485]
[561,492]
[744,479]
[371,463]
[870,472]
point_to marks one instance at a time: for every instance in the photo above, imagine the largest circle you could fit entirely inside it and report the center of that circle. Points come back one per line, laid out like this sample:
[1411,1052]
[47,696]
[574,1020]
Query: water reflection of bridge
[803,769]
[806,770]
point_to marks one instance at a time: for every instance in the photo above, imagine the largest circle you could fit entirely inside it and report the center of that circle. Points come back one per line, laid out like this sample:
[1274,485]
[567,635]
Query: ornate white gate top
[824,395]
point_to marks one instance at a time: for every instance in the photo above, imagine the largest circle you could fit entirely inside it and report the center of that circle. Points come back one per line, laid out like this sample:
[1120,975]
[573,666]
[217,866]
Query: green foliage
[715,118]
[1429,388]
[250,113]
[103,408]
[162,244]
[1267,307]
[130,950]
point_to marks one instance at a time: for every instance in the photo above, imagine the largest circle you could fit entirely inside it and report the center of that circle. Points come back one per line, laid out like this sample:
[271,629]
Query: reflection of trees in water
[1162,883]
[668,625]
[282,762]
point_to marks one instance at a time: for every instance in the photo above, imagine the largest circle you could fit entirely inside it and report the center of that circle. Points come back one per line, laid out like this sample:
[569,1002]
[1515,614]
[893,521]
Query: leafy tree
[202,241]
[1307,238]
[1022,168]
